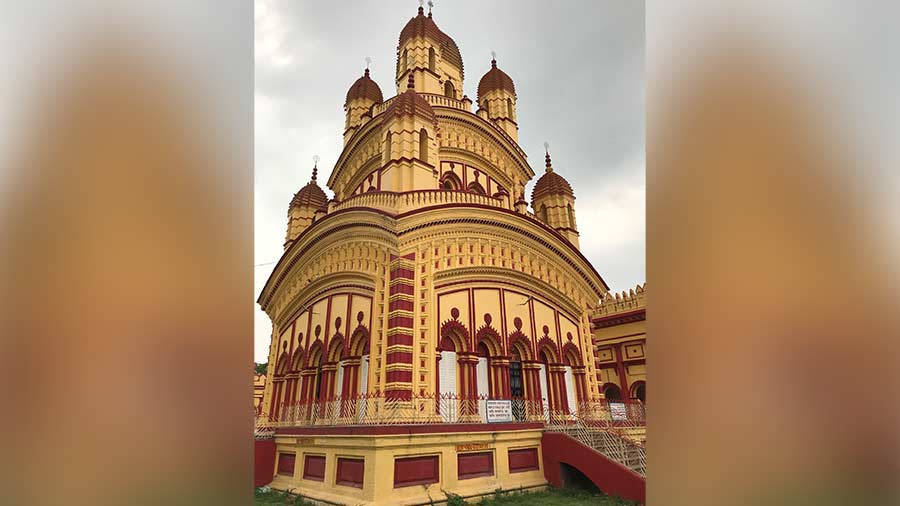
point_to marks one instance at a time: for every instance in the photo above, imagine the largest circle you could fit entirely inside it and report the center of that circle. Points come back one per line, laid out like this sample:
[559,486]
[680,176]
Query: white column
[545,399]
[447,373]
[570,390]
[482,379]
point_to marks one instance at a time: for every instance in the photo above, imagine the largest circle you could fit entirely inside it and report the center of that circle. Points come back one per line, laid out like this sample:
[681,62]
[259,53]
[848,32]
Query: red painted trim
[381,430]
[618,319]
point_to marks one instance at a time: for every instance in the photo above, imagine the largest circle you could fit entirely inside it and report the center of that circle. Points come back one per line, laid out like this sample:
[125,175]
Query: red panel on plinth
[314,468]
[286,463]
[350,472]
[523,460]
[473,465]
[416,471]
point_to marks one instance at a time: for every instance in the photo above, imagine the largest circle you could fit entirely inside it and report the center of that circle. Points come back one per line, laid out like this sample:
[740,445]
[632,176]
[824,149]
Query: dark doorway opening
[573,478]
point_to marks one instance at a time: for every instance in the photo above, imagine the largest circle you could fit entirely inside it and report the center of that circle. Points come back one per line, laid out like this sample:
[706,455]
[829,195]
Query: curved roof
[310,195]
[495,79]
[410,103]
[551,183]
[424,26]
[365,87]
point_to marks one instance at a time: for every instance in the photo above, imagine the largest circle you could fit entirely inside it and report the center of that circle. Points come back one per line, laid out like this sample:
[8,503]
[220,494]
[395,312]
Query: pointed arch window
[475,187]
[510,110]
[542,213]
[387,145]
[423,145]
[449,90]
[450,181]
[431,59]
[405,59]
[571,214]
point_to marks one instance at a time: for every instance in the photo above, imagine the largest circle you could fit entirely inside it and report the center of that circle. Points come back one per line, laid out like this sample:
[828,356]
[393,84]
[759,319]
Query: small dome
[310,195]
[495,79]
[365,87]
[410,103]
[424,26]
[551,183]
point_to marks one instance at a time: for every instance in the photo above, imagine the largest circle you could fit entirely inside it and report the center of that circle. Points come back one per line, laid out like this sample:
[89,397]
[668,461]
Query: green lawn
[553,497]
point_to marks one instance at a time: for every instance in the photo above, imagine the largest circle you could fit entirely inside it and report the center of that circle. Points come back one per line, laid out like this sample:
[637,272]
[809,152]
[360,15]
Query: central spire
[547,164]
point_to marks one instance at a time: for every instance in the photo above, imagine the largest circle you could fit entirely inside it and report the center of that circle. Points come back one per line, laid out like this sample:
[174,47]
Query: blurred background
[126,186]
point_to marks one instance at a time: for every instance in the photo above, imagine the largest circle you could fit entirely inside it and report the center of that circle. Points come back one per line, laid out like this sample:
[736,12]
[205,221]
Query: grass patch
[277,497]
[551,497]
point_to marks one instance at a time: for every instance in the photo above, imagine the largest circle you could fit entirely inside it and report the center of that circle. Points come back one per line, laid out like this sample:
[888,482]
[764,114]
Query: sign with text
[472,447]
[618,411]
[499,411]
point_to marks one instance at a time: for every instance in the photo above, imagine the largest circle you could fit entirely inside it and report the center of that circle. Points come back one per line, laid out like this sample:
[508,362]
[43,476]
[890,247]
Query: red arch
[547,344]
[475,187]
[491,340]
[314,356]
[359,342]
[336,348]
[297,360]
[572,355]
[458,335]
[518,340]
[281,366]
[453,179]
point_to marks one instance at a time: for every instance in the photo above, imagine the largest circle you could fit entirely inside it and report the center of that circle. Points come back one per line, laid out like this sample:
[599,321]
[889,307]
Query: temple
[430,325]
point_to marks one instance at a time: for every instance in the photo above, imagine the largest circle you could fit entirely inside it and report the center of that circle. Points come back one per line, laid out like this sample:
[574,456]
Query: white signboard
[618,411]
[499,411]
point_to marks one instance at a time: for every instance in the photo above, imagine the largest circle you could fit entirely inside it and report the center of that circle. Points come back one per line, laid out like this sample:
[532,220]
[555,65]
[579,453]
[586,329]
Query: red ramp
[611,477]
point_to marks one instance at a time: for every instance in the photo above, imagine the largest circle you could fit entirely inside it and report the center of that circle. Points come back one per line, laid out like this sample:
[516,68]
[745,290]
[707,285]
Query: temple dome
[310,195]
[365,87]
[551,183]
[424,26]
[495,79]
[410,103]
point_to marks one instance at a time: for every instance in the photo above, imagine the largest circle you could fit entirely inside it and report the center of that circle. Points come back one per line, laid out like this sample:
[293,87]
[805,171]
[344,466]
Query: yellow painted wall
[379,453]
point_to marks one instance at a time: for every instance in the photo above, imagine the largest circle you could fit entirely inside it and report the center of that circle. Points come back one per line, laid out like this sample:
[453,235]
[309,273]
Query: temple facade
[425,289]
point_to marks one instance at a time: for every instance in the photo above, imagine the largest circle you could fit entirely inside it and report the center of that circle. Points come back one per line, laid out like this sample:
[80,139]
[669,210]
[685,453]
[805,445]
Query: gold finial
[421,10]
[315,166]
[493,58]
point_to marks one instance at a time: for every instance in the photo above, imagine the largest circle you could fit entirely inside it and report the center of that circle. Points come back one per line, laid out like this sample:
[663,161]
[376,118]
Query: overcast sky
[579,74]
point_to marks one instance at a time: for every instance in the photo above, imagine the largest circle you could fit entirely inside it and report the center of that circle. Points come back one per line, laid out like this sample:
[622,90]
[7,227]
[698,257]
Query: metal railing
[600,424]
[381,409]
